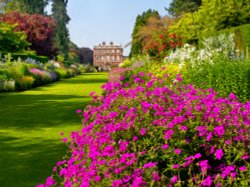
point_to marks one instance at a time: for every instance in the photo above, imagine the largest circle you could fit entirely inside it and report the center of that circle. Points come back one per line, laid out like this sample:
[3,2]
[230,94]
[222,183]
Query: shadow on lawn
[40,111]
[34,160]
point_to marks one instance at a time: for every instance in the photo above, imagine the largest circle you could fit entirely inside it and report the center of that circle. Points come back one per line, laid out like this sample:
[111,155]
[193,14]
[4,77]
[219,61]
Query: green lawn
[30,124]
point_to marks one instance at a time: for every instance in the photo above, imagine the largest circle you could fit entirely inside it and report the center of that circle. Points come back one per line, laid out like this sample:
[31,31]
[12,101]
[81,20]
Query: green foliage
[141,20]
[213,15]
[61,36]
[10,40]
[27,6]
[24,56]
[179,7]
[224,75]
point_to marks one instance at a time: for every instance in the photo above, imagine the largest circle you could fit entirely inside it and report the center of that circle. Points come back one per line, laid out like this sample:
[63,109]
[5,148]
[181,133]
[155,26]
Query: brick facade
[107,56]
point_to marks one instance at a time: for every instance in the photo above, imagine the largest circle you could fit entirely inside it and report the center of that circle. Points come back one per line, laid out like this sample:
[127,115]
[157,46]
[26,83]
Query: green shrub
[61,72]
[224,75]
[82,69]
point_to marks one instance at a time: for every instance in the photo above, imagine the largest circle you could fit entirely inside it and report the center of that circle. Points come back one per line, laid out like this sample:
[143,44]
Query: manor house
[107,56]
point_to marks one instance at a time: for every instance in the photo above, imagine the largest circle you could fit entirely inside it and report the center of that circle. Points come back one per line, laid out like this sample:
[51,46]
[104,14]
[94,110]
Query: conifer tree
[61,37]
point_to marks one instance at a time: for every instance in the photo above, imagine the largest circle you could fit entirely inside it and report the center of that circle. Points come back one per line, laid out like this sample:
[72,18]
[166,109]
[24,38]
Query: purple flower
[207,181]
[219,154]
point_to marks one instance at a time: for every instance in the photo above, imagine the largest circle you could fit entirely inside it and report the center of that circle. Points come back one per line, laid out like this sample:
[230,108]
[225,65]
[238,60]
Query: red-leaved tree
[38,28]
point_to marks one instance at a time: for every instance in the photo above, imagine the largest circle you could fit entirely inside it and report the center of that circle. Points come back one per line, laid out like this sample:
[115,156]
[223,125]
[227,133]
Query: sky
[95,21]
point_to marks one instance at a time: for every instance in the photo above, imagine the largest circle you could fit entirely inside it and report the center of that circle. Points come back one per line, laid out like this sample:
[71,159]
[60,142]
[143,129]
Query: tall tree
[61,37]
[179,7]
[141,20]
[27,6]
[85,55]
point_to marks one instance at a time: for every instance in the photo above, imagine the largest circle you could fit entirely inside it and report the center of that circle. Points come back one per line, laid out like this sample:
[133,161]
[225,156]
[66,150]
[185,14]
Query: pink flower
[168,134]
[175,166]
[78,111]
[197,156]
[150,165]
[207,181]
[183,128]
[219,154]
[243,168]
[97,178]
[155,176]
[135,138]
[64,140]
[143,131]
[165,146]
[177,151]
[174,179]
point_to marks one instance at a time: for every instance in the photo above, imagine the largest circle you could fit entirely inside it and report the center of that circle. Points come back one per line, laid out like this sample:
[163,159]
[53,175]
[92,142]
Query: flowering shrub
[148,134]
[41,76]
[170,41]
[24,82]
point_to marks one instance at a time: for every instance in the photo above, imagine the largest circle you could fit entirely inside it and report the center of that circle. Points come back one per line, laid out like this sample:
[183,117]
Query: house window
[97,59]
[113,59]
[102,58]
[117,51]
[108,58]
[113,51]
[118,58]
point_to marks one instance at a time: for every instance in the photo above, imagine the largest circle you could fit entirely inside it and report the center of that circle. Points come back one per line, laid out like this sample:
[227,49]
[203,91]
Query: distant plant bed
[152,133]
[25,74]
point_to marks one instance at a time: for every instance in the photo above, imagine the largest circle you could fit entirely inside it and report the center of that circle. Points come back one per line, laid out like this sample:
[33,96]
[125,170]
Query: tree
[38,28]
[85,55]
[141,20]
[150,33]
[179,7]
[11,40]
[213,15]
[61,37]
[27,6]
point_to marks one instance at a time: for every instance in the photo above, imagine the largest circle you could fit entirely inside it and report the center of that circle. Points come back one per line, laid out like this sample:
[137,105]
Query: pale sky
[95,21]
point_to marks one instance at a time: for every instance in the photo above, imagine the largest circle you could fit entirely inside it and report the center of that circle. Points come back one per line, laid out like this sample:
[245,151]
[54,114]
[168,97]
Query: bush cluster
[24,74]
[152,133]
